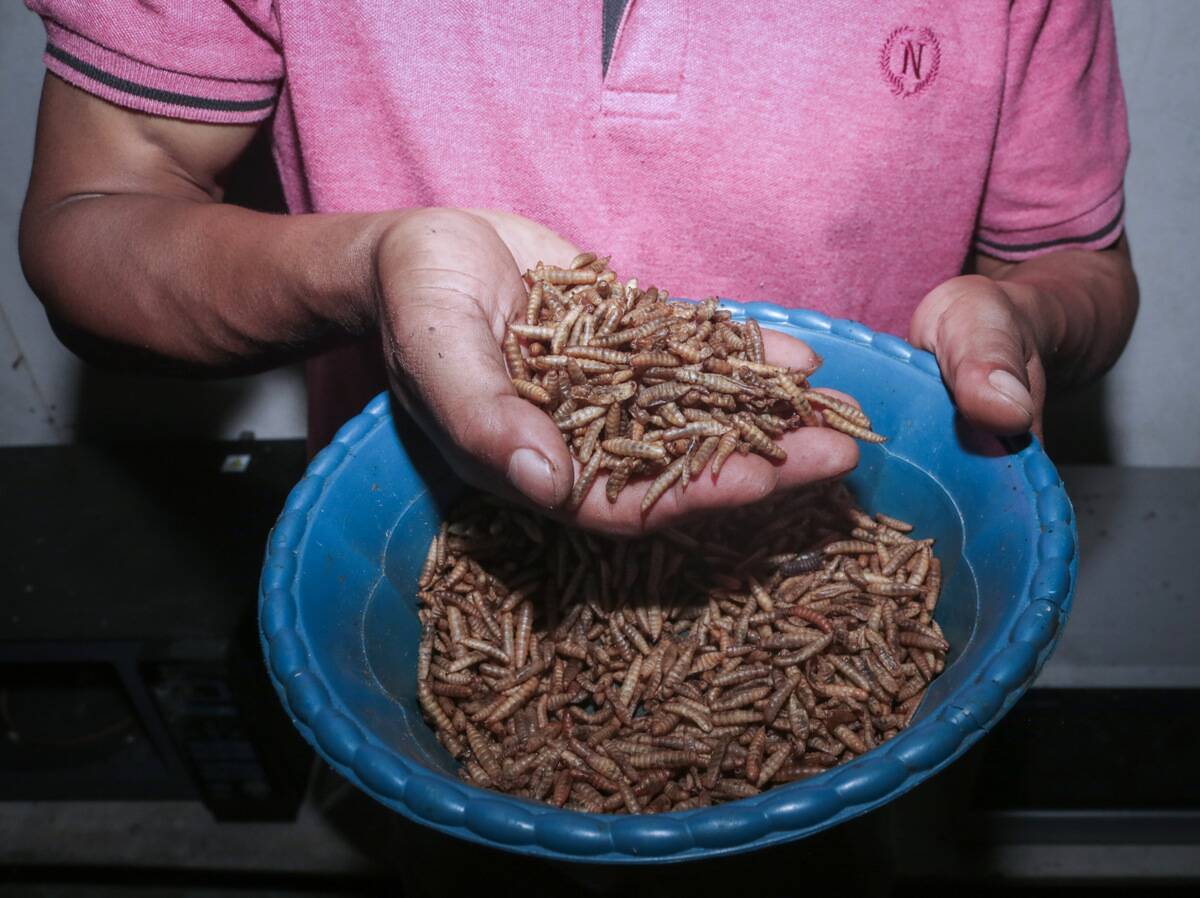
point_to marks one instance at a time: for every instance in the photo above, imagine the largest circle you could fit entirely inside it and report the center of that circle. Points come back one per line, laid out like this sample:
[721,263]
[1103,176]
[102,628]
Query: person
[951,172]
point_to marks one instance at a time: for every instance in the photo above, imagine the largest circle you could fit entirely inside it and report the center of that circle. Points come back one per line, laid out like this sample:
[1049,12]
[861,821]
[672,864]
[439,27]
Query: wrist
[339,265]
[383,234]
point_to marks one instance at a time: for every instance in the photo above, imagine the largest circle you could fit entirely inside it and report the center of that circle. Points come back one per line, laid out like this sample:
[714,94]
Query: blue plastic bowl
[339,626]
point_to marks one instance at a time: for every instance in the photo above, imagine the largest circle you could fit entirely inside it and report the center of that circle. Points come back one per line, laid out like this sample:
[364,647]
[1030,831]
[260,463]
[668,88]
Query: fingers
[985,353]
[448,284]
[814,454]
[986,373]
[489,434]
[782,349]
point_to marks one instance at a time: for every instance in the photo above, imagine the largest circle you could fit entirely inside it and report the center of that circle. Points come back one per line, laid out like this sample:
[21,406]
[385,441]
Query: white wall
[1153,396]
[1147,412]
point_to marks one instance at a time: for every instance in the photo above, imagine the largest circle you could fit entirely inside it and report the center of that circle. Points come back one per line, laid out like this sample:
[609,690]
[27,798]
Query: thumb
[451,377]
[441,316]
[984,354]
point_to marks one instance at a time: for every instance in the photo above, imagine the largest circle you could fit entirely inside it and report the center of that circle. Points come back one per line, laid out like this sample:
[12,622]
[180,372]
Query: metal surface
[129,667]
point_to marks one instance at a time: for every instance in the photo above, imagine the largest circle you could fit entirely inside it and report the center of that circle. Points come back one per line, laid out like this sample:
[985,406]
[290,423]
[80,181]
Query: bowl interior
[371,527]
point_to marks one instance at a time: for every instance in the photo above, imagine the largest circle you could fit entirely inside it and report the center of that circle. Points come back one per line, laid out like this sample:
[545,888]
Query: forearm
[1082,306]
[195,284]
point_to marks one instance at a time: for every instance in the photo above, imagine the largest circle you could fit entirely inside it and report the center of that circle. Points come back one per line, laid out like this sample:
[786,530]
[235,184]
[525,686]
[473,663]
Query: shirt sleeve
[204,60]
[1058,166]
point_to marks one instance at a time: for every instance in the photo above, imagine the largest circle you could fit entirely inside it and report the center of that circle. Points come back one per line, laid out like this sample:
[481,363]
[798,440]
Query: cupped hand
[814,454]
[989,350]
[448,282]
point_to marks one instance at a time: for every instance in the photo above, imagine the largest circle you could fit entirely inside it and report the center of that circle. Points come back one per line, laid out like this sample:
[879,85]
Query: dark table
[1089,779]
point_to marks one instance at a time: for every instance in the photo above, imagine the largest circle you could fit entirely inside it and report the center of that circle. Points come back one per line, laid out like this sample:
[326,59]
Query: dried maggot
[691,368]
[635,676]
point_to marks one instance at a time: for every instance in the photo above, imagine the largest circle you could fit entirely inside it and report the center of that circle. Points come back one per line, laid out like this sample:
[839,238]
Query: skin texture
[140,265]
[1061,318]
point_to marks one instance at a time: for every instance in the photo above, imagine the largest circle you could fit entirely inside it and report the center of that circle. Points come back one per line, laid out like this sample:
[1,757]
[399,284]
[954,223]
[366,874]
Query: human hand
[447,283]
[814,454]
[990,345]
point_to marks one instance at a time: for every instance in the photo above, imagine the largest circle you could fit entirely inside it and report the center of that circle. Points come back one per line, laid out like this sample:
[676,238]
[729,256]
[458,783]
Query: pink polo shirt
[845,157]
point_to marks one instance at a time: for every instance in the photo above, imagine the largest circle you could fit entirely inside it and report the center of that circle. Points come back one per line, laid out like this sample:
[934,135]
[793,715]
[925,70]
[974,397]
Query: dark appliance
[129,660]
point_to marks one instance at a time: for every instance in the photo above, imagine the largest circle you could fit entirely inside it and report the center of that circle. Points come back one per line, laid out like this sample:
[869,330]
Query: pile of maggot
[642,386]
[696,666]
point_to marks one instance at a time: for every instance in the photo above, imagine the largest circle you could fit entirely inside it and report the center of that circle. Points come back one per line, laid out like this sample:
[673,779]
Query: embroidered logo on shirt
[909,60]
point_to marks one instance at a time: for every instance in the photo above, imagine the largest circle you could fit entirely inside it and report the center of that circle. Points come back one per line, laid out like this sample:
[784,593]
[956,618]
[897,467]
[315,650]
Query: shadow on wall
[114,407]
[119,407]
[1078,429]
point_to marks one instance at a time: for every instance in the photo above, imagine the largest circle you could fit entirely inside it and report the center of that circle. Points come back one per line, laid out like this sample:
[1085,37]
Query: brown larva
[844,410]
[664,392]
[531,332]
[564,276]
[726,444]
[837,422]
[623,447]
[663,482]
[686,669]
[549,363]
[580,417]
[618,477]
[533,392]
[632,334]
[716,383]
[759,441]
[598,354]
[587,476]
[533,306]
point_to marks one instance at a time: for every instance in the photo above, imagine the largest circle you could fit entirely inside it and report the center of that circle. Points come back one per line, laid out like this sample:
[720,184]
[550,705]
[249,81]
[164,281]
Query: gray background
[1146,412]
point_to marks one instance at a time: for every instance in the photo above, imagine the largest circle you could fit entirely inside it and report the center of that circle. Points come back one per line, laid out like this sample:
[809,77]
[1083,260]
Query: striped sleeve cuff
[1096,229]
[136,85]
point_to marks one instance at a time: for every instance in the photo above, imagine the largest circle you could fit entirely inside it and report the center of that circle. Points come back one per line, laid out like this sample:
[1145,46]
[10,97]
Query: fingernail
[1011,389]
[530,472]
